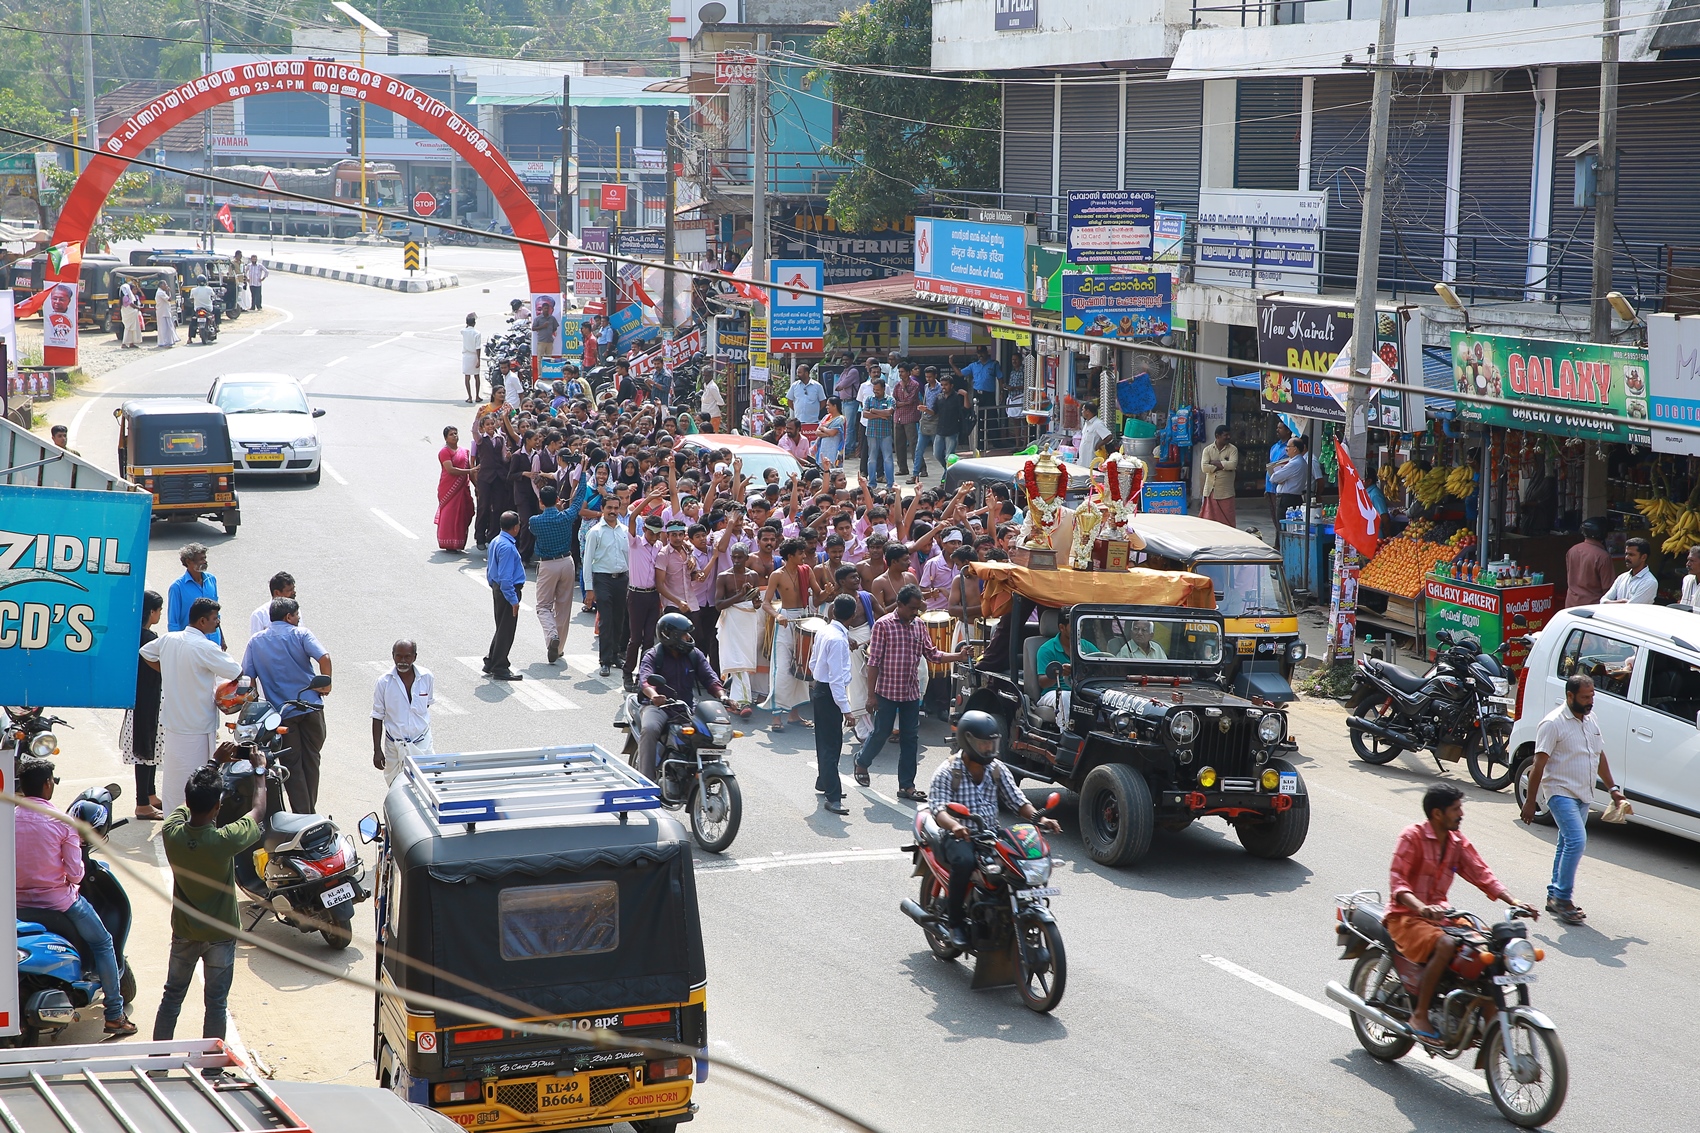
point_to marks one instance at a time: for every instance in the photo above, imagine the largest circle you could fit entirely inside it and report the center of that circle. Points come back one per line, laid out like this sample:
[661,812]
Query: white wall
[1069,32]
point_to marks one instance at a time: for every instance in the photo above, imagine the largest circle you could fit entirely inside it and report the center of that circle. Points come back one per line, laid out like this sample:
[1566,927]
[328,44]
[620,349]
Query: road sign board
[424,204]
[735,68]
[614,197]
[410,256]
[270,183]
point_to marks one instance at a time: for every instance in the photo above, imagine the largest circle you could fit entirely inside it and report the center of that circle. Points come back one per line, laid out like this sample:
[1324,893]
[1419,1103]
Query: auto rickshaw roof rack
[528,784]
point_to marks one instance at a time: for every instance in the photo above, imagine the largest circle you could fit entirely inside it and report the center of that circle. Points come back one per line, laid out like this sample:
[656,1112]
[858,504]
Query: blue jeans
[852,419]
[918,460]
[907,713]
[943,446]
[879,457]
[219,958]
[1571,815]
[98,941]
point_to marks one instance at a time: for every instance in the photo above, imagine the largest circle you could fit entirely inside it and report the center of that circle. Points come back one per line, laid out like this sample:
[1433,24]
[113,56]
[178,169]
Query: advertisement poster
[797,319]
[572,334]
[1543,380]
[1110,226]
[589,279]
[965,260]
[1311,336]
[9,335]
[1277,234]
[1163,497]
[1124,307]
[1343,602]
[1673,380]
[885,249]
[59,316]
[72,563]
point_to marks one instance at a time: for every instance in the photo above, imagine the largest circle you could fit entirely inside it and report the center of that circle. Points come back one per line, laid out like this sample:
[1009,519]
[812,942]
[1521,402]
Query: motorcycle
[1517,1046]
[1460,708]
[303,870]
[29,731]
[1011,933]
[57,987]
[203,326]
[691,763]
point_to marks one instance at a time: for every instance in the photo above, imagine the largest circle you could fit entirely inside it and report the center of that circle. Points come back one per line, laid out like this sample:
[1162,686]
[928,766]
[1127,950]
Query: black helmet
[1594,527]
[979,733]
[674,630]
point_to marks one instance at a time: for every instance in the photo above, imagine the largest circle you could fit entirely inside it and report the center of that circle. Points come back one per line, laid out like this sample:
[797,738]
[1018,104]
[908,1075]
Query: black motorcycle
[1459,709]
[303,870]
[203,325]
[691,763]
[29,731]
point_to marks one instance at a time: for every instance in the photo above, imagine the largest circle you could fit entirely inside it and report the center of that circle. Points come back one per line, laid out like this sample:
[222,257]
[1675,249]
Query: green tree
[902,131]
[108,226]
[598,29]
[21,112]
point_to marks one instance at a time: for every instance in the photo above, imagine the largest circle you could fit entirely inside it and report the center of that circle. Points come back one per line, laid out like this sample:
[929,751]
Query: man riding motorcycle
[1429,854]
[974,778]
[201,299]
[676,660]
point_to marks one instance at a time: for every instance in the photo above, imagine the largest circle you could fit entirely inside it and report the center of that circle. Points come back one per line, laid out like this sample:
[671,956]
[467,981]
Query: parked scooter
[304,871]
[57,987]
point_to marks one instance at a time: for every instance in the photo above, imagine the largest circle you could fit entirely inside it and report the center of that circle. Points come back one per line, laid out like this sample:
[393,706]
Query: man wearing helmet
[678,663]
[974,778]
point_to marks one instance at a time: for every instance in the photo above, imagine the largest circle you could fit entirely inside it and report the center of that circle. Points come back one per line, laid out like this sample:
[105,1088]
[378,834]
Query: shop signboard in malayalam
[1277,233]
[589,278]
[956,328]
[642,242]
[798,318]
[1124,307]
[1110,226]
[959,259]
[1542,381]
[1673,380]
[1312,335]
[1485,613]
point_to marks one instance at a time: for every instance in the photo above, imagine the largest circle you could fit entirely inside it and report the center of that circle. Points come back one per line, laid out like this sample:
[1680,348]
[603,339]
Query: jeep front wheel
[1282,835]
[1116,818]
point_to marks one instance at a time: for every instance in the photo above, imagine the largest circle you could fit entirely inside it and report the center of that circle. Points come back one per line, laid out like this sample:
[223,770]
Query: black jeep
[1151,737]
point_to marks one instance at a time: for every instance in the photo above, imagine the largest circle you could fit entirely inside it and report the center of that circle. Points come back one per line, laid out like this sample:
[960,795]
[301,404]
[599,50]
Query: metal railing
[1269,13]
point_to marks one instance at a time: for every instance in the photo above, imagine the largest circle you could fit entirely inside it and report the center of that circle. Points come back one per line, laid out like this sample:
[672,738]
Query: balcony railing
[1252,14]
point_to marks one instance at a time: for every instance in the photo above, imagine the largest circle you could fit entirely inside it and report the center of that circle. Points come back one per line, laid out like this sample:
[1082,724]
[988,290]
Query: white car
[1645,662]
[271,425]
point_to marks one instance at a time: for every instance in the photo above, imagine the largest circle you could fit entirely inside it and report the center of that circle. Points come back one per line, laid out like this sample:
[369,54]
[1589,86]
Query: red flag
[225,219]
[1357,521]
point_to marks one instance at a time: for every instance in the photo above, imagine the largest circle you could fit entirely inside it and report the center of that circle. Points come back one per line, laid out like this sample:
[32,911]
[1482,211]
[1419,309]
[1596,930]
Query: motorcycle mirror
[370,828]
[1054,801]
[958,809]
[319,682]
[1520,621]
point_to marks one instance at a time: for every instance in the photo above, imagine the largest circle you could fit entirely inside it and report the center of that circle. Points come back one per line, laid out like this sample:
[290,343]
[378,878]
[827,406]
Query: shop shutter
[1413,233]
[1266,133]
[1027,119]
[1339,143]
[1165,126]
[1090,116]
[1493,207]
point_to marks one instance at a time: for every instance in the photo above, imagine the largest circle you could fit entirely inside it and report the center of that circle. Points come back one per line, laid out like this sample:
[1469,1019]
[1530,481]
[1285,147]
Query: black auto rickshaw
[1262,627]
[148,281]
[179,450]
[542,885]
[190,265]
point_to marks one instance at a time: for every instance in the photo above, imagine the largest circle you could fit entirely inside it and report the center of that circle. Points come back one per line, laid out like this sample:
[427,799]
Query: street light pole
[365,25]
[207,125]
[88,77]
[1369,234]
[667,283]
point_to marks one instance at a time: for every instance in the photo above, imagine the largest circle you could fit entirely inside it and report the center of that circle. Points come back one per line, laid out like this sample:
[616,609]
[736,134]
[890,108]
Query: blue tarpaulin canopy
[1252,382]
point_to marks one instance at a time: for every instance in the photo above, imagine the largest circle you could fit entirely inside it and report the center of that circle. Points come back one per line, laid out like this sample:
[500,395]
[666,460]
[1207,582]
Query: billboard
[1125,307]
[1673,380]
[886,249]
[1314,335]
[1540,379]
[1111,226]
[797,320]
[961,259]
[1277,235]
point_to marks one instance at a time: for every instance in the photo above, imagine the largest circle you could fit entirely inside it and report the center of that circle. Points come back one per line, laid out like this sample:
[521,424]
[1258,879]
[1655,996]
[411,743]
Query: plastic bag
[244,301]
[1135,395]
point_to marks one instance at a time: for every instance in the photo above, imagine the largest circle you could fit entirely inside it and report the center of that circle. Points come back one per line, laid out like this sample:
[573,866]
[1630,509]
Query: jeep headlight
[1037,871]
[1122,722]
[1270,728]
[1183,726]
[1520,957]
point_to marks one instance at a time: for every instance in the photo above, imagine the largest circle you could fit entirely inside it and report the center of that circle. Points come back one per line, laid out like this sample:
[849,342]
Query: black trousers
[145,786]
[254,295]
[643,610]
[829,741]
[706,629]
[494,497]
[525,503]
[306,742]
[610,590]
[959,856]
[496,660]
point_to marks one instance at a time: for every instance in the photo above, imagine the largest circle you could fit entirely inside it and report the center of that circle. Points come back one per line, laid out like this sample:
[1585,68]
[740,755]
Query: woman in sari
[165,317]
[454,492]
[829,434]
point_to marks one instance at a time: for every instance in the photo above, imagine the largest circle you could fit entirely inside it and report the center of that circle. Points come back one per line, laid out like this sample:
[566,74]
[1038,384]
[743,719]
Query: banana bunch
[1387,479]
[1662,515]
[1684,533]
[1431,486]
[1460,481]
[1409,473]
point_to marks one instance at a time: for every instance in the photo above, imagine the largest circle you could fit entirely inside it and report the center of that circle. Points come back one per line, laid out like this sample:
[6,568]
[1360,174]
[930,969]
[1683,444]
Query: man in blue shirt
[282,659]
[554,531]
[985,375]
[195,583]
[505,573]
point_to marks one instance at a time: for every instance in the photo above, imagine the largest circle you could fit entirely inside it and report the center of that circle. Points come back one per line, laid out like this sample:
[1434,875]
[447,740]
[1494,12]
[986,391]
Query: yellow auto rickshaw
[546,886]
[1262,626]
[179,450]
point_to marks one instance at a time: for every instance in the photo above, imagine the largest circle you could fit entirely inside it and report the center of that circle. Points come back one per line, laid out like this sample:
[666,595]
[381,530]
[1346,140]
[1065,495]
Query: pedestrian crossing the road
[534,695]
[440,704]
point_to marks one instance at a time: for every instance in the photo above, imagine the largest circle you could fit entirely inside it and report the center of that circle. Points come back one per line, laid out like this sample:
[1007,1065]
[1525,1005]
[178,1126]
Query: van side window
[1672,686]
[1609,661]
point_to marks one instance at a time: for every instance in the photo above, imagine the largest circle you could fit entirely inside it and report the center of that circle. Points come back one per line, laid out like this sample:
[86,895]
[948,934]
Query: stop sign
[424,203]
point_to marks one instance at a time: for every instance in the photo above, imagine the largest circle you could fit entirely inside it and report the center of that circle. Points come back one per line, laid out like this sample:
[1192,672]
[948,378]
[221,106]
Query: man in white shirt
[713,401]
[256,274]
[1570,751]
[1691,580]
[201,299]
[1637,584]
[829,693]
[401,711]
[1093,431]
[806,396]
[190,666]
[282,585]
[471,355]
[607,550]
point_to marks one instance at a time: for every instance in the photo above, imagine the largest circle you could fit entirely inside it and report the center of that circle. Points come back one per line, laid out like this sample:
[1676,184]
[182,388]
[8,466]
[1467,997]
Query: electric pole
[207,126]
[88,77]
[454,158]
[672,200]
[758,186]
[1605,189]
[564,194]
[1369,235]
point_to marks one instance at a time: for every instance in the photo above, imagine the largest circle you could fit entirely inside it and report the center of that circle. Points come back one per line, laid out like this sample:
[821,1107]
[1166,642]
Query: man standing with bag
[1569,752]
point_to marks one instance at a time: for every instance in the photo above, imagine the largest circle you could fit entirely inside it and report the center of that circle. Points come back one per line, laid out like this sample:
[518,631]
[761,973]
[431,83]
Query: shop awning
[863,294]
[1242,381]
[1437,375]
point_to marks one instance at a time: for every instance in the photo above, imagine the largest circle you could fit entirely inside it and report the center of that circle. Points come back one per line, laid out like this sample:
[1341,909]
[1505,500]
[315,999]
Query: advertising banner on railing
[960,259]
[1544,380]
[1277,233]
[1125,307]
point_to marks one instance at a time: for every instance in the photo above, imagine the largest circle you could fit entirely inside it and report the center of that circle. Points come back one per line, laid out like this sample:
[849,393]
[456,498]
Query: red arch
[145,127]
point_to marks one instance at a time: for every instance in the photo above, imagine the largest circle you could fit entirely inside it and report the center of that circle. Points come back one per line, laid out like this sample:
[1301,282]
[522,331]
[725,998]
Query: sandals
[777,726]
[148,812]
[860,774]
[912,794]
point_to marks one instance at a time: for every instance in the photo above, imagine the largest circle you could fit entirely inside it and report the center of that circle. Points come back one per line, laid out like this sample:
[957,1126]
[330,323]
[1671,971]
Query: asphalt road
[1194,998]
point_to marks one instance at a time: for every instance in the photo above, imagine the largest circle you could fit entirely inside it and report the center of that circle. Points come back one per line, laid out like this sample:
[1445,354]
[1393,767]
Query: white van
[1645,661]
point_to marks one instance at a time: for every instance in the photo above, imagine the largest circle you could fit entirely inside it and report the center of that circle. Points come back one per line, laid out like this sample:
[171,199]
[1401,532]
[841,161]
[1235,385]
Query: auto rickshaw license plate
[1247,645]
[558,1093]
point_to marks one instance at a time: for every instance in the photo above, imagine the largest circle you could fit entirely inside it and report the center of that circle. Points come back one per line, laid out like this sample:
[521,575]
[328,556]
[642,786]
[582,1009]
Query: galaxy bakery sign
[1545,385]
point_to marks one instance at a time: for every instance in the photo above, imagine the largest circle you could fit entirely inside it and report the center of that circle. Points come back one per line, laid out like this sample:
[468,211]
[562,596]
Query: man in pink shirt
[937,573]
[793,441]
[643,600]
[50,869]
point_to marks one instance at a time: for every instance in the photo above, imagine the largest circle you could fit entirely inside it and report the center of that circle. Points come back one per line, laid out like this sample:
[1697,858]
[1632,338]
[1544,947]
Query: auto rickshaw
[544,885]
[1262,626]
[189,263]
[148,280]
[179,450]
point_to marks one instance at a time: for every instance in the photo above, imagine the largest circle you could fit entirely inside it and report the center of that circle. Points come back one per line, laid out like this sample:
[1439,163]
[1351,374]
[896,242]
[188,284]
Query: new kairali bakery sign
[1544,382]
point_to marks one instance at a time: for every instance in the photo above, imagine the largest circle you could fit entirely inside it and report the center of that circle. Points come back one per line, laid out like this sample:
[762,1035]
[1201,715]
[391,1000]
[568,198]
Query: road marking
[476,576]
[387,341]
[333,473]
[311,330]
[590,664]
[439,702]
[784,861]
[534,695]
[308,379]
[1440,1065]
[199,355]
[334,361]
[394,524]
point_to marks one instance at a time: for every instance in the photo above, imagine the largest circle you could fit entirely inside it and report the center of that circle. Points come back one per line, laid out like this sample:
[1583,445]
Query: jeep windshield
[1248,590]
[1128,643]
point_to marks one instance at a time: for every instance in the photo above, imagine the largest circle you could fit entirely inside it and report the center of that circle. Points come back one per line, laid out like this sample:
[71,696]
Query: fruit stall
[1391,586]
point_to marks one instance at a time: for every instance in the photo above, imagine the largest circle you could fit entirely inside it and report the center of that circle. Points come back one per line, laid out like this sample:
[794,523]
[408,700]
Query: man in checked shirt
[979,782]
[897,647]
